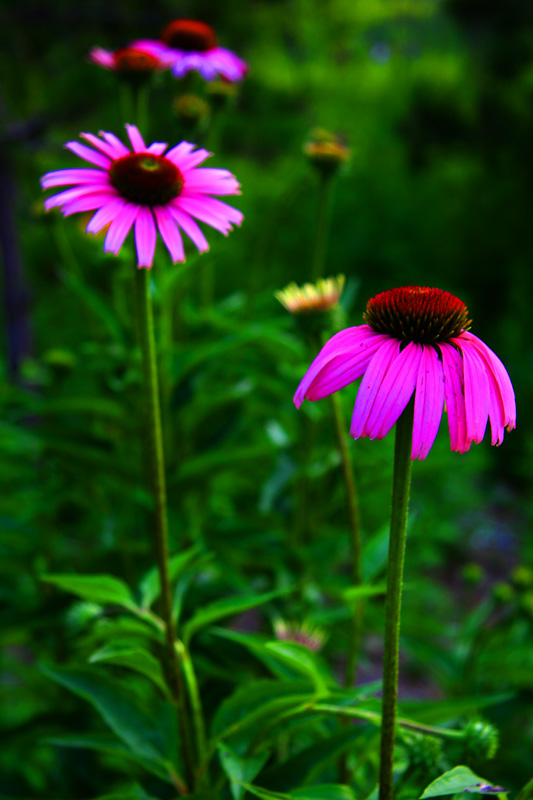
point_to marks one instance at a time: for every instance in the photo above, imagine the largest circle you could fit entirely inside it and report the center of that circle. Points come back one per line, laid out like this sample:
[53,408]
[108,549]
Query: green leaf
[253,706]
[302,660]
[436,711]
[526,792]
[310,762]
[119,709]
[150,586]
[226,608]
[135,658]
[108,743]
[356,593]
[327,791]
[94,303]
[135,792]
[102,589]
[239,769]
[460,779]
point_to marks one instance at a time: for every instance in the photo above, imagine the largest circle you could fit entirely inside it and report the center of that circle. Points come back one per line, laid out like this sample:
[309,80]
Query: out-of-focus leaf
[327,791]
[239,769]
[460,779]
[356,593]
[94,303]
[435,711]
[226,608]
[304,661]
[150,587]
[526,792]
[102,589]
[135,658]
[310,762]
[107,743]
[136,792]
[121,711]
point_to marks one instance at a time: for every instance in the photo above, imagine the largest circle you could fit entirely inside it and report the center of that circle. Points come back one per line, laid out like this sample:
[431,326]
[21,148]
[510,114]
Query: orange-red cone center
[189,35]
[146,179]
[417,314]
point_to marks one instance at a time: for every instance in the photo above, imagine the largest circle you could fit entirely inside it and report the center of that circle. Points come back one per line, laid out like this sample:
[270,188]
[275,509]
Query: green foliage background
[435,101]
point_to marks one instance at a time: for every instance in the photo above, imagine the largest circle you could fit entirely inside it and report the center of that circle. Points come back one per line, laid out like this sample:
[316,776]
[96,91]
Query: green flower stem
[196,705]
[400,503]
[375,718]
[325,196]
[157,481]
[355,531]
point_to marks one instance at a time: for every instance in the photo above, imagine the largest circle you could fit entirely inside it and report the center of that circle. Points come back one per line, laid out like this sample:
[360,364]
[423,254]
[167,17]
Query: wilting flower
[416,340]
[320,296]
[189,45]
[326,151]
[132,61]
[146,190]
[301,633]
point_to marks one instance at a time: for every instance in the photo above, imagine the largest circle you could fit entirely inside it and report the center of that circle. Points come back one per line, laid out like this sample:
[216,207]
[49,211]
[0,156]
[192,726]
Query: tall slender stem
[355,536]
[400,503]
[325,194]
[157,484]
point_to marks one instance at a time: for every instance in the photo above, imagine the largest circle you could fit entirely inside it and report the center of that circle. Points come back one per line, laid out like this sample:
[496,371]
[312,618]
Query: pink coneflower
[416,340]
[147,190]
[129,61]
[190,45]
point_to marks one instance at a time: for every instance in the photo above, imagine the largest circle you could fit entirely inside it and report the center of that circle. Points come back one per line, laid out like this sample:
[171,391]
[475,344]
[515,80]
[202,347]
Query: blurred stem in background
[154,439]
[325,196]
[401,483]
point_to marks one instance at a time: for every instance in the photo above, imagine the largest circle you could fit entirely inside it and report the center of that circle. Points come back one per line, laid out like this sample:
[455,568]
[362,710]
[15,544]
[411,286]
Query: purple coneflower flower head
[311,297]
[150,189]
[300,633]
[190,45]
[129,61]
[416,341]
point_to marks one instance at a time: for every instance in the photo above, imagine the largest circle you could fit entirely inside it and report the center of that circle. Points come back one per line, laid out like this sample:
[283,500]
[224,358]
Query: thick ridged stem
[156,465]
[400,503]
[355,538]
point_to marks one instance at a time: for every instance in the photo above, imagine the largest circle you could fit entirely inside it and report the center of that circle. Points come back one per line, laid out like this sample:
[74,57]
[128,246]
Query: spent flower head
[415,341]
[190,45]
[326,151]
[148,188]
[301,633]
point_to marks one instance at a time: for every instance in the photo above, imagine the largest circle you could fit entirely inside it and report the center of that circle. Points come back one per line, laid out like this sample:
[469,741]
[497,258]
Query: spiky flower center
[417,314]
[146,179]
[189,35]
[129,60]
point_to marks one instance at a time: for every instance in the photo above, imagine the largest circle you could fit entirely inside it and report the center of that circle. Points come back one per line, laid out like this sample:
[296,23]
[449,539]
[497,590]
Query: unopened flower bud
[193,111]
[480,740]
[301,633]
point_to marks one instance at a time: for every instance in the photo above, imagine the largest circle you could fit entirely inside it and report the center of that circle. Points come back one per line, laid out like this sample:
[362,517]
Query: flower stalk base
[400,503]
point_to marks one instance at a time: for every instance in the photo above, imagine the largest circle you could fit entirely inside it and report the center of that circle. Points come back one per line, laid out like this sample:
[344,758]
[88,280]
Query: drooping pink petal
[89,202]
[170,233]
[195,207]
[145,237]
[177,153]
[137,141]
[157,148]
[429,402]
[105,215]
[88,154]
[119,228]
[499,377]
[452,365]
[102,57]
[189,226]
[346,342]
[106,148]
[370,384]
[476,389]
[66,177]
[120,148]
[395,391]
[74,193]
[343,369]
[212,206]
